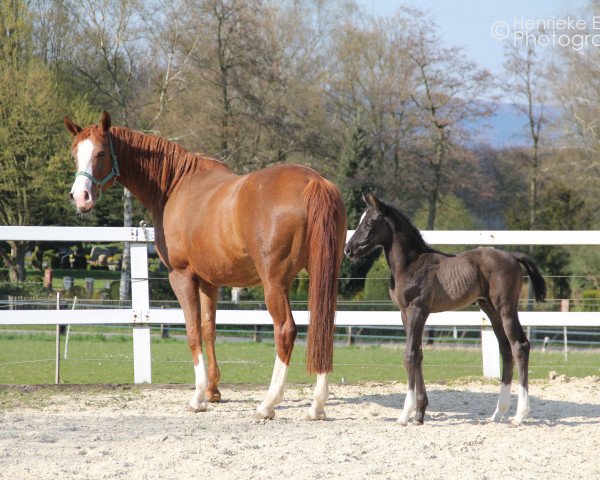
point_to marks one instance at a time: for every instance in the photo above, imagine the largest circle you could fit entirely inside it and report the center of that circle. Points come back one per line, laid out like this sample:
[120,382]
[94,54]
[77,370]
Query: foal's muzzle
[351,252]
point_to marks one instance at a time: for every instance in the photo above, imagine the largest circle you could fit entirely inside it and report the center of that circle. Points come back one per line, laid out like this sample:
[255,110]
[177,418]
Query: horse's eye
[101,154]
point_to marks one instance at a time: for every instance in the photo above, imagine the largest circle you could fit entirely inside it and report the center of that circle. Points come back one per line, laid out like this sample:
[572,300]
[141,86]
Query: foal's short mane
[413,238]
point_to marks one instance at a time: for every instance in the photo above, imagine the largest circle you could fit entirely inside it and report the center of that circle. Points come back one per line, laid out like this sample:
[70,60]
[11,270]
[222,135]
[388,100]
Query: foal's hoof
[213,396]
[263,414]
[312,415]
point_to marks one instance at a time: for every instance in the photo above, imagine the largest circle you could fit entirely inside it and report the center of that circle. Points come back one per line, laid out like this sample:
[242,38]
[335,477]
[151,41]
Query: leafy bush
[299,288]
[24,289]
[52,259]
[76,291]
[591,300]
[376,284]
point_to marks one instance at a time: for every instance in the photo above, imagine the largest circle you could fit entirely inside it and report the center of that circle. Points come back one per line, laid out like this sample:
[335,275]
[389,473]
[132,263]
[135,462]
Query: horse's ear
[372,200]
[71,126]
[105,122]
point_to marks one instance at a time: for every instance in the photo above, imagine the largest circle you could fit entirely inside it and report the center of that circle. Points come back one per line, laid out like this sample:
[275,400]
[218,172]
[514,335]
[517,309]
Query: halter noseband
[113,174]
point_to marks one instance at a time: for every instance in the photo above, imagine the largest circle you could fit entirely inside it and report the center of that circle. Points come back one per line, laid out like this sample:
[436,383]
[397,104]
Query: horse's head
[95,161]
[372,231]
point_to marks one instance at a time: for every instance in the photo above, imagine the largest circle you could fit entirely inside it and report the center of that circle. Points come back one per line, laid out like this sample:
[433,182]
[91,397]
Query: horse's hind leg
[520,350]
[278,304]
[185,287]
[208,310]
[507,361]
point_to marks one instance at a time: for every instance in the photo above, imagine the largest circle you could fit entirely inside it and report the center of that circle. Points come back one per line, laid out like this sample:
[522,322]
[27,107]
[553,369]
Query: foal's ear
[372,200]
[71,126]
[105,122]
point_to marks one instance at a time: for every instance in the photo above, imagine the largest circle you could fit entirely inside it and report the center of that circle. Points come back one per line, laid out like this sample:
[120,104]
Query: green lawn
[29,359]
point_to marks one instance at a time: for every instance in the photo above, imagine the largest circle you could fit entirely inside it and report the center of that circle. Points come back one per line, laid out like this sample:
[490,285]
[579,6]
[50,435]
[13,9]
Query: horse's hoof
[402,422]
[313,415]
[516,423]
[417,422]
[496,416]
[213,396]
[201,407]
[261,414]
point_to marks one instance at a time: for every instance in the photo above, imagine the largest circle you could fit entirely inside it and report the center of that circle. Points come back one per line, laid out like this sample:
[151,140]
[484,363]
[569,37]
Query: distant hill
[507,128]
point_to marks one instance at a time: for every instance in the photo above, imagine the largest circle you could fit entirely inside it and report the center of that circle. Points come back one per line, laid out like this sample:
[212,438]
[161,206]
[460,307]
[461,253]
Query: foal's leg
[507,360]
[520,350]
[416,397]
[278,304]
[185,287]
[208,309]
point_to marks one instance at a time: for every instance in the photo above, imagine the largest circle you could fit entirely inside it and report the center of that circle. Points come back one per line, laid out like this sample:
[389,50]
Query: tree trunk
[125,286]
[16,260]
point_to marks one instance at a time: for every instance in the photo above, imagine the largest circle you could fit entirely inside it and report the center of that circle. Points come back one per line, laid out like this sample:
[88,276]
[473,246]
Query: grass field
[29,359]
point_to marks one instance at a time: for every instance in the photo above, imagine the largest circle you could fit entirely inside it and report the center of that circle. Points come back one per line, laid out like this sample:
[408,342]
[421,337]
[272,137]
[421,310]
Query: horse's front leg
[208,308]
[185,286]
[416,397]
[277,300]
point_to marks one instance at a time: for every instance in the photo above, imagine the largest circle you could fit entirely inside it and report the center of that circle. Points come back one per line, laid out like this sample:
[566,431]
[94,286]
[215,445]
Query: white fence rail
[142,316]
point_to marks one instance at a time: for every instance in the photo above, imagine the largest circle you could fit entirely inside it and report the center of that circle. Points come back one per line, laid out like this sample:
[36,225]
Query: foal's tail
[539,284]
[326,235]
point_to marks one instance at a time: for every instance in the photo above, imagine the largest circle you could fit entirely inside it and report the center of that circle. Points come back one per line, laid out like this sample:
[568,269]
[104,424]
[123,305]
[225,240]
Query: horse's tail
[326,235]
[539,284]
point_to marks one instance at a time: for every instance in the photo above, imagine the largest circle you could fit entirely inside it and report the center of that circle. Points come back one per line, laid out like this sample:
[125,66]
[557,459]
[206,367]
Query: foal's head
[372,232]
[97,167]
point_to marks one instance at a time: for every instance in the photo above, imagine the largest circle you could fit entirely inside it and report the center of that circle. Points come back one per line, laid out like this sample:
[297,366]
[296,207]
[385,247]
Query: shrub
[23,289]
[299,289]
[76,291]
[591,300]
[377,284]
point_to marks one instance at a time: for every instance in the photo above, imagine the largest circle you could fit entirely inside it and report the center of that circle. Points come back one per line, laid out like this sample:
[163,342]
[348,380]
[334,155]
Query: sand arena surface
[130,433]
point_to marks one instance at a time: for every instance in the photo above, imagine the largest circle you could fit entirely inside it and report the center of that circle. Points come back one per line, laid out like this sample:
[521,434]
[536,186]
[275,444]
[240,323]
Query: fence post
[140,303]
[564,307]
[57,349]
[490,350]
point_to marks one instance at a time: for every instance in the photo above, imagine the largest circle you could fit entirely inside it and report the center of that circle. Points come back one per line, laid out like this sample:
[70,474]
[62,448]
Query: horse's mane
[413,240]
[159,162]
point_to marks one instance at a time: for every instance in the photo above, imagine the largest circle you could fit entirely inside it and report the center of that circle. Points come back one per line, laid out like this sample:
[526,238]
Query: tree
[560,208]
[108,49]
[526,86]
[370,81]
[356,171]
[452,214]
[449,94]
[30,132]
[253,90]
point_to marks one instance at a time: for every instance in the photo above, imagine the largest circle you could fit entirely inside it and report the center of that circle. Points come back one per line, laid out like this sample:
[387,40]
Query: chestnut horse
[425,280]
[213,228]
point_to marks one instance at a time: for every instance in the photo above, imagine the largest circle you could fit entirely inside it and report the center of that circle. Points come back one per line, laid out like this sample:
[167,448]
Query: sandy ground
[130,433]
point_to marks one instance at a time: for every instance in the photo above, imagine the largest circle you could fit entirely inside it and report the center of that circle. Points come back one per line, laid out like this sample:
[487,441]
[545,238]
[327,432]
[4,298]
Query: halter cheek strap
[113,174]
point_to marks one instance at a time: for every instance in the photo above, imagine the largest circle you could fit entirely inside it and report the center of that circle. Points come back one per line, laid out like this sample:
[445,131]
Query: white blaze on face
[362,217]
[81,191]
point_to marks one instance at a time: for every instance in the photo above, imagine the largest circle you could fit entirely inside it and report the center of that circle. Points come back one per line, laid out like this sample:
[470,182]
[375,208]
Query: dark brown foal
[425,281]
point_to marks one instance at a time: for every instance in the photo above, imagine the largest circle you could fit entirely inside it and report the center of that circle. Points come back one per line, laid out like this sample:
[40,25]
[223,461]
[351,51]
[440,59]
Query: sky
[468,23]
